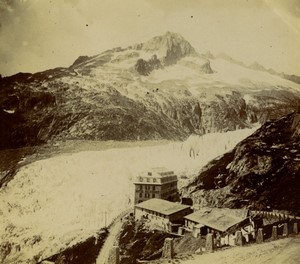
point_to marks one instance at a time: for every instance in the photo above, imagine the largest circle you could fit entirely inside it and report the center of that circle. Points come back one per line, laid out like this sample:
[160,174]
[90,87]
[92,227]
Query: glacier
[54,203]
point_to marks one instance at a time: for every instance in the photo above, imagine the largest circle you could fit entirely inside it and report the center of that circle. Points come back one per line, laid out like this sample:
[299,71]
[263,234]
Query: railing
[274,214]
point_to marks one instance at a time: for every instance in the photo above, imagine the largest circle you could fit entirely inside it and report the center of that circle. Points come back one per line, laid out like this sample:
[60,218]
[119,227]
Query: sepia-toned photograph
[149,131]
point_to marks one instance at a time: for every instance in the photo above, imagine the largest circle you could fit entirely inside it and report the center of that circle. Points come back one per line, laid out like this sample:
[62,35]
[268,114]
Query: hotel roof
[162,206]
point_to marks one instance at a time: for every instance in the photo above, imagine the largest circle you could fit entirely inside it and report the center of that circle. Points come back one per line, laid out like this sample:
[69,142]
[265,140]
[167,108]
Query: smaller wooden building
[162,214]
[223,222]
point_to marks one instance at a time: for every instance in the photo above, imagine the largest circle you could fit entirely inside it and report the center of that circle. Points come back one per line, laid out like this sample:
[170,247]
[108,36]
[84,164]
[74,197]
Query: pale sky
[36,35]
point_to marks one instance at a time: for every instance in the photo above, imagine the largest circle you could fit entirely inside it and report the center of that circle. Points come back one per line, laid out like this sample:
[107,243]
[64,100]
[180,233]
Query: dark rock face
[142,67]
[146,67]
[261,172]
[138,242]
[205,68]
[171,46]
[80,60]
[30,115]
[25,116]
[293,78]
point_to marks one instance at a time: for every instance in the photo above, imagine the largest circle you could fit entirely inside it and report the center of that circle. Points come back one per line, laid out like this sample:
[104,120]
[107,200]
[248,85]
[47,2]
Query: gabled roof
[162,206]
[218,218]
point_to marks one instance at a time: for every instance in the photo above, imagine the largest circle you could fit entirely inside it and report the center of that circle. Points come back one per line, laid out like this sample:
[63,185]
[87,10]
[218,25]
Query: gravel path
[110,241]
[283,251]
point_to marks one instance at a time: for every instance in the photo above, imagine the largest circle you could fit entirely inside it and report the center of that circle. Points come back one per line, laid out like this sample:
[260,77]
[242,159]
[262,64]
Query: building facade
[162,214]
[156,183]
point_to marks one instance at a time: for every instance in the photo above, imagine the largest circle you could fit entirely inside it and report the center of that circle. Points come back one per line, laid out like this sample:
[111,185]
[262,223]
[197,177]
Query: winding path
[111,240]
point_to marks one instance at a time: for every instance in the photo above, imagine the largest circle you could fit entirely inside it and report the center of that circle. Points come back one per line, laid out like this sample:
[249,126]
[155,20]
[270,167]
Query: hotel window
[153,188]
[153,195]
[149,173]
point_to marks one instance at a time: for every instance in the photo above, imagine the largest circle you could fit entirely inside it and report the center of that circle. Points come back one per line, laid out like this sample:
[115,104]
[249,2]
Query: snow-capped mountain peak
[170,46]
[160,89]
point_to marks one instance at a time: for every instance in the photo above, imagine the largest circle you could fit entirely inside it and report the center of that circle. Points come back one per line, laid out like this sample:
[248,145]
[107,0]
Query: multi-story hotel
[156,183]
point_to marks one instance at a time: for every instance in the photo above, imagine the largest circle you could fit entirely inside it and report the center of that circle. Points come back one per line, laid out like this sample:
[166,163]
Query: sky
[36,35]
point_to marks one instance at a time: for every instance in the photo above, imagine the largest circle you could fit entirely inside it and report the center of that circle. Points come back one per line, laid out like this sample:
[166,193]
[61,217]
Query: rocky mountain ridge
[262,172]
[161,89]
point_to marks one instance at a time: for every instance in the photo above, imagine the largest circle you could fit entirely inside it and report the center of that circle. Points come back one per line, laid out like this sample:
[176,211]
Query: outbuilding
[223,222]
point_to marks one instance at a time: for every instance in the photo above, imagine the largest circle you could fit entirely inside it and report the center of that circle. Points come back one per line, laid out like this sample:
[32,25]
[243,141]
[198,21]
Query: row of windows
[166,173]
[155,187]
[141,191]
[153,179]
[170,186]
[148,187]
[147,195]
[153,213]
[160,180]
[141,179]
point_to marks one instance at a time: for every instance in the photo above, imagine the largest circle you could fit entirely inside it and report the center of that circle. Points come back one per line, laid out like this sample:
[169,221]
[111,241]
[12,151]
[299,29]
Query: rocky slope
[138,242]
[261,172]
[158,89]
